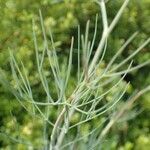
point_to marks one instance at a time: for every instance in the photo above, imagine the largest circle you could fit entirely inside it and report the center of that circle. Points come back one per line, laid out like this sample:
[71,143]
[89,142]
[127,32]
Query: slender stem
[104,15]
[106,30]
[57,123]
[104,36]
[62,133]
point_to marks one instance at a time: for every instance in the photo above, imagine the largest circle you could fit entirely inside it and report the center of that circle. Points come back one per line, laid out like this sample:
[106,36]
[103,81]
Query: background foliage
[63,17]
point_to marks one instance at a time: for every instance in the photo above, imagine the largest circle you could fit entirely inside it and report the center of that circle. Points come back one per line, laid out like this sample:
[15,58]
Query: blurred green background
[63,18]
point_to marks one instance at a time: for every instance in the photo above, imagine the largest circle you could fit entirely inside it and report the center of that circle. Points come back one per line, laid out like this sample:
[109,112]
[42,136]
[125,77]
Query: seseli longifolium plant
[66,113]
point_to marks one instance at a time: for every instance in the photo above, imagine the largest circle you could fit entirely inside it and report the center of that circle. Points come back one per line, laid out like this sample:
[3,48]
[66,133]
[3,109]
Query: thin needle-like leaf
[69,63]
[131,56]
[78,54]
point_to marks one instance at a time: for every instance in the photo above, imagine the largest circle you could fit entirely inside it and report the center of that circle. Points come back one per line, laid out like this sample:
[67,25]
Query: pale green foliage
[85,100]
